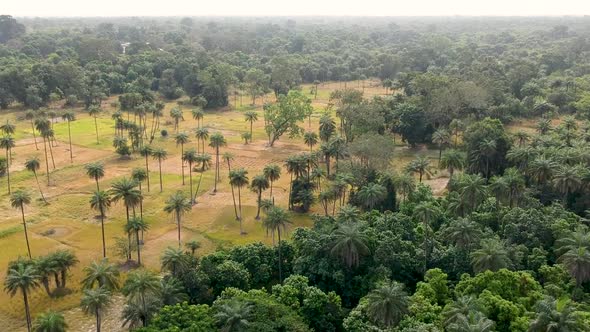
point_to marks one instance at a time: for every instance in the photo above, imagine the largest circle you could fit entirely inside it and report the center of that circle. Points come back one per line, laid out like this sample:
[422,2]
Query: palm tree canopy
[276,219]
[387,304]
[173,259]
[190,157]
[492,255]
[251,116]
[349,243]
[7,142]
[33,164]
[238,177]
[95,300]
[142,283]
[126,190]
[159,154]
[101,273]
[452,159]
[178,203]
[259,183]
[95,170]
[50,321]
[181,138]
[139,174]
[69,116]
[19,198]
[217,140]
[272,172]
[233,315]
[21,276]
[8,128]
[372,194]
[100,201]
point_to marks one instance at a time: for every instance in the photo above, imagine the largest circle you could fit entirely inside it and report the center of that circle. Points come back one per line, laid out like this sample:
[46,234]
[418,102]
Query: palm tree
[491,255]
[487,149]
[311,139]
[217,141]
[160,154]
[50,321]
[259,184]
[95,171]
[45,267]
[349,243]
[568,179]
[94,301]
[125,190]
[472,322]
[65,260]
[141,286]
[69,117]
[542,169]
[275,220]
[8,128]
[42,126]
[101,273]
[472,189]
[22,277]
[146,151]
[228,157]
[327,127]
[193,245]
[523,137]
[137,225]
[406,183]
[251,116]
[454,311]
[574,249]
[139,175]
[239,179]
[178,204]
[247,137]
[18,200]
[30,115]
[202,135]
[556,315]
[7,143]
[204,160]
[94,111]
[198,115]
[101,201]
[456,126]
[272,173]
[419,165]
[33,166]
[463,233]
[191,158]
[452,160]
[49,136]
[176,114]
[233,315]
[372,194]
[440,138]
[544,126]
[387,304]
[172,292]
[181,139]
[174,260]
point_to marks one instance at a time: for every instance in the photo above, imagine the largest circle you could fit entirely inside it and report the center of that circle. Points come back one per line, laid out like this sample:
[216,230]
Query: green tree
[574,250]
[349,244]
[30,115]
[22,277]
[18,200]
[160,154]
[217,141]
[95,301]
[33,165]
[178,204]
[259,184]
[176,114]
[141,287]
[69,117]
[103,274]
[95,171]
[283,117]
[567,179]
[275,220]
[50,321]
[420,165]
[101,202]
[125,190]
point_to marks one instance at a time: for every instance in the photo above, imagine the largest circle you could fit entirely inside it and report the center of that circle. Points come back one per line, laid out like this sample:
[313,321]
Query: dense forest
[505,248]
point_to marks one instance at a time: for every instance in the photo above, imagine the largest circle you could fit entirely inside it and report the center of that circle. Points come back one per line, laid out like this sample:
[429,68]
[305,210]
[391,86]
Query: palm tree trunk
[97,320]
[290,189]
[104,247]
[51,154]
[420,176]
[138,248]
[97,187]
[27,311]
[251,129]
[8,170]
[259,199]
[22,210]
[34,136]
[233,196]
[216,169]
[198,187]
[178,225]
[128,237]
[190,179]
[280,257]
[160,167]
[271,191]
[182,162]
[70,136]
[147,170]
[96,128]
[240,209]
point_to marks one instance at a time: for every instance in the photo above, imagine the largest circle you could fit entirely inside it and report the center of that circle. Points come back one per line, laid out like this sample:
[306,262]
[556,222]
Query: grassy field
[67,222]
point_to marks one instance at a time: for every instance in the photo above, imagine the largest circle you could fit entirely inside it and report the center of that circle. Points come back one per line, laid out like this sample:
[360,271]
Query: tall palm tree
[102,274]
[542,169]
[462,306]
[51,321]
[491,255]
[202,135]
[174,260]
[42,125]
[95,301]
[473,321]
[427,213]
[387,304]
[440,137]
[160,154]
[146,151]
[272,172]
[233,316]
[7,143]
[276,220]
[251,116]
[349,243]
[101,202]
[69,117]
[65,260]
[472,189]
[522,137]
[311,139]
[420,165]
[574,250]
[544,126]
[555,315]
[18,200]
[327,127]
[452,160]
[198,115]
[463,232]
[176,114]
[181,139]
[139,175]
[8,128]
[456,126]
[238,179]
[94,111]
[125,190]
[33,165]
[30,115]
[95,171]
[217,141]
[203,159]
[372,194]
[487,149]
[190,157]
[141,286]
[22,277]
[48,136]
[568,179]
[406,184]
[259,184]
[229,157]
[138,225]
[178,204]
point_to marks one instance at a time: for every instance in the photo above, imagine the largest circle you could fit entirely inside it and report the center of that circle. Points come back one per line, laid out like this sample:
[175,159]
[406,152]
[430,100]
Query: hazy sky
[296,7]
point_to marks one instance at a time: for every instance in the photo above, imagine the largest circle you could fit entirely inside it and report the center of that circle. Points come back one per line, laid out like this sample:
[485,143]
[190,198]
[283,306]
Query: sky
[294,8]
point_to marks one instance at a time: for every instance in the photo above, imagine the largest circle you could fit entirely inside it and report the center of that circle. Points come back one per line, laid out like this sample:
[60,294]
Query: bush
[164,133]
